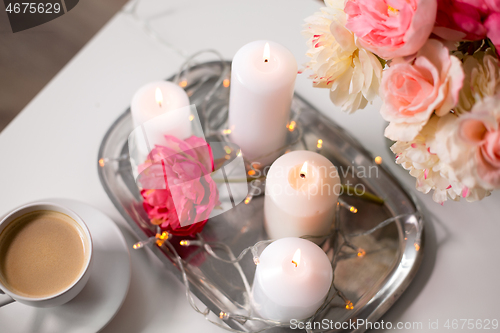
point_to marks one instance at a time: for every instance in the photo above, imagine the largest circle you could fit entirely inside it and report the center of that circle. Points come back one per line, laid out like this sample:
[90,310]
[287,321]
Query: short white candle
[162,108]
[262,81]
[292,280]
[302,189]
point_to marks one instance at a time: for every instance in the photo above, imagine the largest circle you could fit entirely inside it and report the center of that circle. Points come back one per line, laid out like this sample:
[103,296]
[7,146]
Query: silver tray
[372,282]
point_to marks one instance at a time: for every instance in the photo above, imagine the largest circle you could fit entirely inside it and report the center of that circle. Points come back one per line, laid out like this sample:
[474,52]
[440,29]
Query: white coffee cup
[69,292]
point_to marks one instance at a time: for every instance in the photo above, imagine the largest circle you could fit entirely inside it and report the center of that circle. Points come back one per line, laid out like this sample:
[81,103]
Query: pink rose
[413,91]
[391,28]
[480,129]
[177,186]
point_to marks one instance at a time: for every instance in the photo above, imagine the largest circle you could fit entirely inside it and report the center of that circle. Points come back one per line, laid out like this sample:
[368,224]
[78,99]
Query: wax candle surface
[156,98]
[161,108]
[302,189]
[292,280]
[262,83]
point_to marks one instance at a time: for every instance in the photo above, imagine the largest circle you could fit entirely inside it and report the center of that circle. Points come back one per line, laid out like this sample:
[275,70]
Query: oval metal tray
[372,282]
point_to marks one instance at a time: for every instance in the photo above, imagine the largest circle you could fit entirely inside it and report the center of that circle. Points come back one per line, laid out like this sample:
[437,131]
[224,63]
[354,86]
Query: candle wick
[266,60]
[293,262]
[159,103]
[302,175]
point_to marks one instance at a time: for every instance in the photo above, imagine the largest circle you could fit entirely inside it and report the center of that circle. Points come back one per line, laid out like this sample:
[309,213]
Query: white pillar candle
[262,80]
[162,108]
[292,280]
[302,189]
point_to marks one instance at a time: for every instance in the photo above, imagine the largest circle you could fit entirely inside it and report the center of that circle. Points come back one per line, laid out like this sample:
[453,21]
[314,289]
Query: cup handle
[5,299]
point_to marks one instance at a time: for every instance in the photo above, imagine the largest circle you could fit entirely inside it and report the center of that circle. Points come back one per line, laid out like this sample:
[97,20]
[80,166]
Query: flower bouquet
[435,65]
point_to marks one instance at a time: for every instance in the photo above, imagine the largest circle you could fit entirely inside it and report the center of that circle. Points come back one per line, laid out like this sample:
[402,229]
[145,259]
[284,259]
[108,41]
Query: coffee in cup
[44,254]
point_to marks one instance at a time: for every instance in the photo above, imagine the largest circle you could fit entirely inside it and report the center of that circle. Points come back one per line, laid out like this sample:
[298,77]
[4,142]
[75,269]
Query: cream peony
[431,173]
[351,73]
[482,79]
[470,144]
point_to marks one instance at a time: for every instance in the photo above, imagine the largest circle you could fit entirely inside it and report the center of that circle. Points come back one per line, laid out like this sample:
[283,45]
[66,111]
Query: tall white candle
[162,108]
[292,280]
[262,80]
[302,190]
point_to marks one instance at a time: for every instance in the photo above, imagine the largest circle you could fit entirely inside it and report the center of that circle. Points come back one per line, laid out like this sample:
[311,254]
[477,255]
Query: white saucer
[101,298]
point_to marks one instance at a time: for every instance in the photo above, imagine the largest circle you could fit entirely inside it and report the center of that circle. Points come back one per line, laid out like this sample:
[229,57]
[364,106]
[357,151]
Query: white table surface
[50,150]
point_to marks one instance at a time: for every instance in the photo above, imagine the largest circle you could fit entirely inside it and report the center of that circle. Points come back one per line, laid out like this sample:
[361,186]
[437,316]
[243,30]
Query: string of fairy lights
[338,236]
[162,239]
